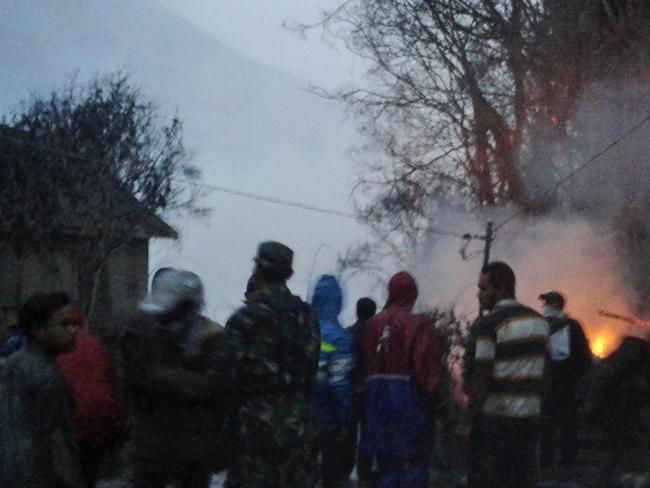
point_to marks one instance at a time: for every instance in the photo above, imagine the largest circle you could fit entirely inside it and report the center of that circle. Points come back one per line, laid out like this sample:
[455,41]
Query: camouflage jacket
[265,362]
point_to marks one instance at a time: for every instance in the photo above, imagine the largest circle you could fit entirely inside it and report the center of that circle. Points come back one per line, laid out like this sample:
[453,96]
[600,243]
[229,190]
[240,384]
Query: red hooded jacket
[401,370]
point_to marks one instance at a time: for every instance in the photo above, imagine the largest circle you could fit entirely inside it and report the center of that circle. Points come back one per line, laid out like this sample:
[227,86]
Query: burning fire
[603,343]
[599,346]
[554,120]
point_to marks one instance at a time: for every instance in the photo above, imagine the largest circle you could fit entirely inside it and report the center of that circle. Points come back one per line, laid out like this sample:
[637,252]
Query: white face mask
[551,312]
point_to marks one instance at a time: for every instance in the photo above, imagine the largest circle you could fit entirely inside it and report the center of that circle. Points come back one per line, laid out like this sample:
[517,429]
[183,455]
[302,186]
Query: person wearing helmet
[176,424]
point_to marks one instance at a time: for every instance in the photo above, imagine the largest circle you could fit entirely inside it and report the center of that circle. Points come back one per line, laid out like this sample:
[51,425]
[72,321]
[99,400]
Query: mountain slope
[249,126]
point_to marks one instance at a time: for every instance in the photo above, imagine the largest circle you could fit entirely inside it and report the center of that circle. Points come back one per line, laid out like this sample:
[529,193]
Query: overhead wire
[268,199]
[582,166]
[304,206]
[236,192]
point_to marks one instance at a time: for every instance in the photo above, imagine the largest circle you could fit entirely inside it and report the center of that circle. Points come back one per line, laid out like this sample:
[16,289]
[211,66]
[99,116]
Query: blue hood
[328,298]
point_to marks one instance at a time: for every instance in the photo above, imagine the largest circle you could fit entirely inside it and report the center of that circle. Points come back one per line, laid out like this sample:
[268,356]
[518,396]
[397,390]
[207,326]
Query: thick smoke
[612,192]
[569,255]
[593,245]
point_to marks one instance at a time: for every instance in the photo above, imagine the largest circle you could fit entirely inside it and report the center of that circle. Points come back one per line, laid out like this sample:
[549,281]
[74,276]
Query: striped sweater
[512,342]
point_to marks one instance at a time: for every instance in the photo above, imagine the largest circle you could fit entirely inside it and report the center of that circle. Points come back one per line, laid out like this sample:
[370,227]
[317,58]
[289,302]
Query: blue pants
[402,473]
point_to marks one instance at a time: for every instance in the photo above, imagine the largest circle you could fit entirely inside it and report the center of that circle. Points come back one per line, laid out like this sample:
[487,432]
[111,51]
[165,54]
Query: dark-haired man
[265,362]
[37,447]
[366,308]
[505,377]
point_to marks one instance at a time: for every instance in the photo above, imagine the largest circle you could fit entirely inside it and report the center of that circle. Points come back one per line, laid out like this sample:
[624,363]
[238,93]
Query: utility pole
[489,237]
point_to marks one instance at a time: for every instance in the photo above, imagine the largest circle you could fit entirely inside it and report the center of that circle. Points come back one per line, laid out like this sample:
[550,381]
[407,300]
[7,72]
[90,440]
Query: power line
[67,154]
[264,198]
[304,206]
[232,191]
[572,173]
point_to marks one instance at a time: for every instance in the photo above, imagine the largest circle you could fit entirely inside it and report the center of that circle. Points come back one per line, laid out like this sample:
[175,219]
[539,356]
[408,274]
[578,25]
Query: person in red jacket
[401,367]
[100,417]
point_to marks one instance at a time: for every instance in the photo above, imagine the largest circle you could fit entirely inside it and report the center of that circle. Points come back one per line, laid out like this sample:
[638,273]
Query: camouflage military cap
[274,256]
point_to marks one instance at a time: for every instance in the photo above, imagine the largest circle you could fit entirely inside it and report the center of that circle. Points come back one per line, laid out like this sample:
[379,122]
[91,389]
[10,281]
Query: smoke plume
[593,245]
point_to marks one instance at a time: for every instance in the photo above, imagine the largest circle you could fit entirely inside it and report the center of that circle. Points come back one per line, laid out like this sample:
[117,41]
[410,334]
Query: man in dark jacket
[176,425]
[366,308]
[265,363]
[570,361]
[401,370]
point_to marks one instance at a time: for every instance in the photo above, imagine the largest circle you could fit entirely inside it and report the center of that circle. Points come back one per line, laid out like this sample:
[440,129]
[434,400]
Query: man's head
[366,308]
[553,302]
[496,283]
[273,264]
[174,293]
[49,321]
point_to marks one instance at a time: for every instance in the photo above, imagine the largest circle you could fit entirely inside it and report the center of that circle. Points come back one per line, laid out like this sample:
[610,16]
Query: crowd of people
[283,395]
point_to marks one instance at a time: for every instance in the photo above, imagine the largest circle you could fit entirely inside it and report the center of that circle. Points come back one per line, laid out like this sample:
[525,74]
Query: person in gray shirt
[37,446]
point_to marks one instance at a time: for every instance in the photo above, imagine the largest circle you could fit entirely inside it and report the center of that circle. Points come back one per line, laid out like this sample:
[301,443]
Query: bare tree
[93,161]
[472,99]
[448,95]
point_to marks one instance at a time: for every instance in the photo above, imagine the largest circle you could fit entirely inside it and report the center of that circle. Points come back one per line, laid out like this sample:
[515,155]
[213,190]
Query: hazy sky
[248,121]
[254,28]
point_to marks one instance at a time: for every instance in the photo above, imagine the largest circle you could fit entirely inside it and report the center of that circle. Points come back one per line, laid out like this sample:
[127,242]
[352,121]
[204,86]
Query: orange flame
[554,120]
[604,342]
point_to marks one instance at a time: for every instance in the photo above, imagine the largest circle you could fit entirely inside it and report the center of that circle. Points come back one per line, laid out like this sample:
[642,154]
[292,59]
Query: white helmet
[171,288]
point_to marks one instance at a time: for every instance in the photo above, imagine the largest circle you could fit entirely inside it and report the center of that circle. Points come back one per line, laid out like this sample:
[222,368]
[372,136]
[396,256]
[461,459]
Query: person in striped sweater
[505,384]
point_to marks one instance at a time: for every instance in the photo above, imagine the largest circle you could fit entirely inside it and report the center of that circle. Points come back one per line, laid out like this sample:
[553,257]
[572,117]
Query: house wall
[29,274]
[128,274]
[123,282]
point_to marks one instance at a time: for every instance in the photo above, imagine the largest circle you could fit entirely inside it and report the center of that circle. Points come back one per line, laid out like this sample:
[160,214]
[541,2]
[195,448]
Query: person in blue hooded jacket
[333,396]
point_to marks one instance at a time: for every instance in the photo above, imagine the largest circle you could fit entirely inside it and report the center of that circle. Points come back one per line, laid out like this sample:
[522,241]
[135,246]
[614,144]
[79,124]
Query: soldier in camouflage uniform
[265,362]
